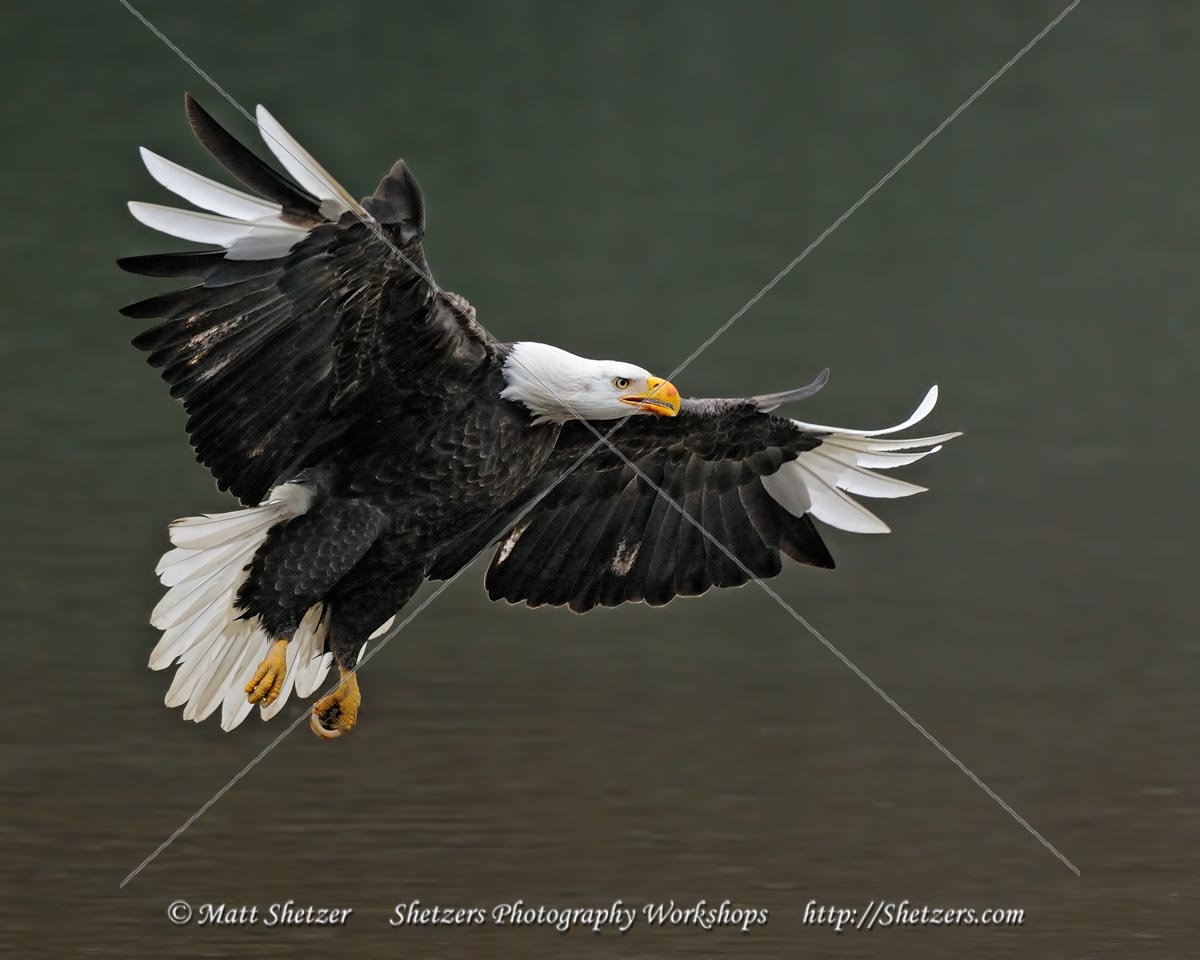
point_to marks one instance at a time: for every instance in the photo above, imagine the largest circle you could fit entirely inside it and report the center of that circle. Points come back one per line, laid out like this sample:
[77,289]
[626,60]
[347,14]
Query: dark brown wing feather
[604,535]
[274,359]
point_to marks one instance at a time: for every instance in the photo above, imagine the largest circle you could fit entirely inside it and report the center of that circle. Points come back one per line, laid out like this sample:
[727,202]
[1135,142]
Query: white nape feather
[208,194]
[304,168]
[204,632]
[820,480]
[243,239]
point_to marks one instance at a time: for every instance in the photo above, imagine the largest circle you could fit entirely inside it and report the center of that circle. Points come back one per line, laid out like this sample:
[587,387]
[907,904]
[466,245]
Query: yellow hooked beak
[661,398]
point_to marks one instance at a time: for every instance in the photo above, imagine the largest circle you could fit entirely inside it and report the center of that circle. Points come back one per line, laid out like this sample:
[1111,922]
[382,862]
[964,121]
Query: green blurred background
[619,179]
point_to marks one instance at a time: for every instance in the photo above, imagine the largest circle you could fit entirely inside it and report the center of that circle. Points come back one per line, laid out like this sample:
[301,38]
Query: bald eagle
[378,437]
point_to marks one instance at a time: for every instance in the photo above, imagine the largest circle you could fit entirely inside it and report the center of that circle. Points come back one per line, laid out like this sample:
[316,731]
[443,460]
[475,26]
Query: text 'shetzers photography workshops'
[627,480]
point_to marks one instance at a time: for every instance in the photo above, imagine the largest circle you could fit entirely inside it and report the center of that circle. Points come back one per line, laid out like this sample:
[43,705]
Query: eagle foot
[337,713]
[267,683]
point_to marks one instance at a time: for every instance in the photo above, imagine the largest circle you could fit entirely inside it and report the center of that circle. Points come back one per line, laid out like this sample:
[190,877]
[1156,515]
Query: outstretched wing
[753,481]
[315,312]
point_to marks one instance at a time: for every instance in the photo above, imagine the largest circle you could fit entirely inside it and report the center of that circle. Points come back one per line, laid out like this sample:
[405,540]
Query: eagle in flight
[377,437]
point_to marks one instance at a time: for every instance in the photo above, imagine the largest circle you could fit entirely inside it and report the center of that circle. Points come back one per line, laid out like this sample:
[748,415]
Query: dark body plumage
[331,362]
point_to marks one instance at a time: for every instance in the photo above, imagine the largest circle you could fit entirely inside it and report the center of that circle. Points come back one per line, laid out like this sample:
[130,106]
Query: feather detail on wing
[304,168]
[314,308]
[750,484]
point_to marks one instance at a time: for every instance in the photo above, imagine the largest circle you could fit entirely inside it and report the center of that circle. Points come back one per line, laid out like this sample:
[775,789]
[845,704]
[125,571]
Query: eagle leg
[337,713]
[267,682]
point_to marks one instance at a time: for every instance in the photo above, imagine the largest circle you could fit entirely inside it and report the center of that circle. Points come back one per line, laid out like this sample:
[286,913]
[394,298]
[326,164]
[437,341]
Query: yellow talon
[268,678]
[337,713]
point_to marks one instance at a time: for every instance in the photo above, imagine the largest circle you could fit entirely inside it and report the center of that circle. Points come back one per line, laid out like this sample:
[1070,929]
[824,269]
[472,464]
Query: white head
[558,386]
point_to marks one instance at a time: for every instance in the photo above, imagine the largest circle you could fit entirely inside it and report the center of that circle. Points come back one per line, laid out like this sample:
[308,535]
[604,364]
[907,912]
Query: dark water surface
[620,179]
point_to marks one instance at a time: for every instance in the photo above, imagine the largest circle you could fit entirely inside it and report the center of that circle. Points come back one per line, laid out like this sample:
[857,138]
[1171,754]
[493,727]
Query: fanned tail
[214,644]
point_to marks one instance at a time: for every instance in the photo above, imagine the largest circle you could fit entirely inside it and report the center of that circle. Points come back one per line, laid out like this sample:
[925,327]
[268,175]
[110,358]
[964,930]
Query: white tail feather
[189,564]
[178,640]
[204,630]
[211,690]
[383,627]
[188,599]
[307,646]
[312,674]
[268,710]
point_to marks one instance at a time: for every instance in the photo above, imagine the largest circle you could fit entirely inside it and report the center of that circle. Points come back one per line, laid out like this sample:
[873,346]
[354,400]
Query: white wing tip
[924,408]
[139,209]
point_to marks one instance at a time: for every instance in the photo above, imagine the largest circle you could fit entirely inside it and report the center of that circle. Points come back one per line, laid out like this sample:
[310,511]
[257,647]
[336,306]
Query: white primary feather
[788,489]
[842,470]
[792,485]
[303,166]
[820,480]
[248,227]
[218,651]
[877,460]
[243,239]
[922,411]
[880,446]
[209,194]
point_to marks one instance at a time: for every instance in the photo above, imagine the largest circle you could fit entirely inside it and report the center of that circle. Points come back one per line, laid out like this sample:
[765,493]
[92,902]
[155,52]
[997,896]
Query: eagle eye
[621,383]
